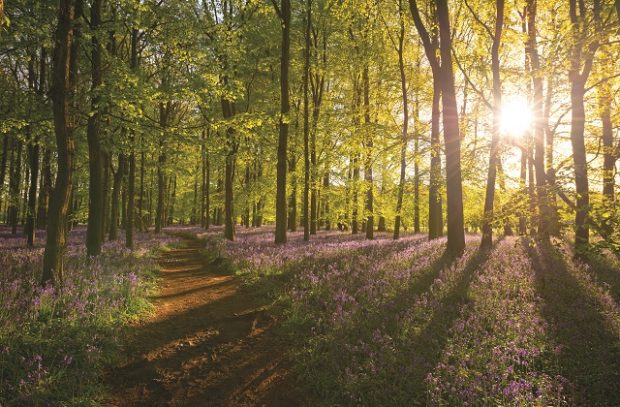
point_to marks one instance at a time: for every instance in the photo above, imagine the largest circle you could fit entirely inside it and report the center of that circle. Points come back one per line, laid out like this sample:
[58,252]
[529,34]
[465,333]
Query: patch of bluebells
[55,341]
[499,348]
[365,316]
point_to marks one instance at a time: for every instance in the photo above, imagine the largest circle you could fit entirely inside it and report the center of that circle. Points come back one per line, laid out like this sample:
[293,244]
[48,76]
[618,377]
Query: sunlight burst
[516,116]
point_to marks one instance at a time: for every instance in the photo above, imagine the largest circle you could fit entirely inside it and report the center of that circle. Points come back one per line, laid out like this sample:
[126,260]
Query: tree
[285,15]
[62,91]
[95,185]
[443,79]
[487,229]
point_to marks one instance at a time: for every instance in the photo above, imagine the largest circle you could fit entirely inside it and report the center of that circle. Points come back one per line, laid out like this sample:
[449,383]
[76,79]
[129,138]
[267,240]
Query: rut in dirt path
[210,343]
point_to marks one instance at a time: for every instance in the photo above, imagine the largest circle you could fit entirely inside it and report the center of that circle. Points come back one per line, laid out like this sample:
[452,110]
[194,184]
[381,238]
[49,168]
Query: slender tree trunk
[33,155]
[325,215]
[404,136]
[487,228]
[609,155]
[5,153]
[33,159]
[553,223]
[95,184]
[306,125]
[229,173]
[416,168]
[141,216]
[207,191]
[62,96]
[116,191]
[45,190]
[539,145]
[131,181]
[285,15]
[107,175]
[370,219]
[16,166]
[522,185]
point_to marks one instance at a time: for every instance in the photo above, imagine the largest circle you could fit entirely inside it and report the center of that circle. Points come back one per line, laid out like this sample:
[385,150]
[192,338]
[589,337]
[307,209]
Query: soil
[210,343]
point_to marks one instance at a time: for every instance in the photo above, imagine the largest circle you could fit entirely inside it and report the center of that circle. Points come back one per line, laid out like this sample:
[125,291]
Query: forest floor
[210,342]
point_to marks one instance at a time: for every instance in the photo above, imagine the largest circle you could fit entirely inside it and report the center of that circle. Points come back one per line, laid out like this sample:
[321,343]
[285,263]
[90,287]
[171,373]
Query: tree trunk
[539,145]
[285,15]
[116,191]
[454,188]
[325,200]
[62,97]
[404,136]
[435,205]
[609,155]
[33,155]
[487,225]
[95,184]
[14,181]
[45,190]
[5,153]
[370,219]
[416,168]
[306,125]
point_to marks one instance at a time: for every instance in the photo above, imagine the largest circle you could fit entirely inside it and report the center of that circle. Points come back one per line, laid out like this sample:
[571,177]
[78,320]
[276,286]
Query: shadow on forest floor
[589,352]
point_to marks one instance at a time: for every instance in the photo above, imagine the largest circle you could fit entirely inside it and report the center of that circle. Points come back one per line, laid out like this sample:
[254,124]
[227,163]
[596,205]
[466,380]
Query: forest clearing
[309,202]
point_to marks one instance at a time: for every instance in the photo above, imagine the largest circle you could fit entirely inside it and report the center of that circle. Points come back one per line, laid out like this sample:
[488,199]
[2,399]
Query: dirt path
[210,343]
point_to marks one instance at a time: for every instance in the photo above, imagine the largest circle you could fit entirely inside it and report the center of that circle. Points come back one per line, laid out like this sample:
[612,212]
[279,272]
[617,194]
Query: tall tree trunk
[285,15]
[229,173]
[416,167]
[553,223]
[370,219]
[131,181]
[487,228]
[33,157]
[539,144]
[581,53]
[404,136]
[609,155]
[63,83]
[95,184]
[454,188]
[306,125]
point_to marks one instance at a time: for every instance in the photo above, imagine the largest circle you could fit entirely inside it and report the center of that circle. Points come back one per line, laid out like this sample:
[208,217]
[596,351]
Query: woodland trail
[210,343]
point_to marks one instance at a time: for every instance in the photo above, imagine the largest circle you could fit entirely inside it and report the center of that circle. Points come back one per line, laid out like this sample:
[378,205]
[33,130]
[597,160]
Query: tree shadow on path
[589,355]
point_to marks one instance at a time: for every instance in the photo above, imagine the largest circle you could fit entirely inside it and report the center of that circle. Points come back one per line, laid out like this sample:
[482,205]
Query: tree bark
[306,125]
[404,136]
[454,188]
[487,228]
[116,191]
[370,216]
[63,84]
[539,145]
[95,184]
[281,212]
